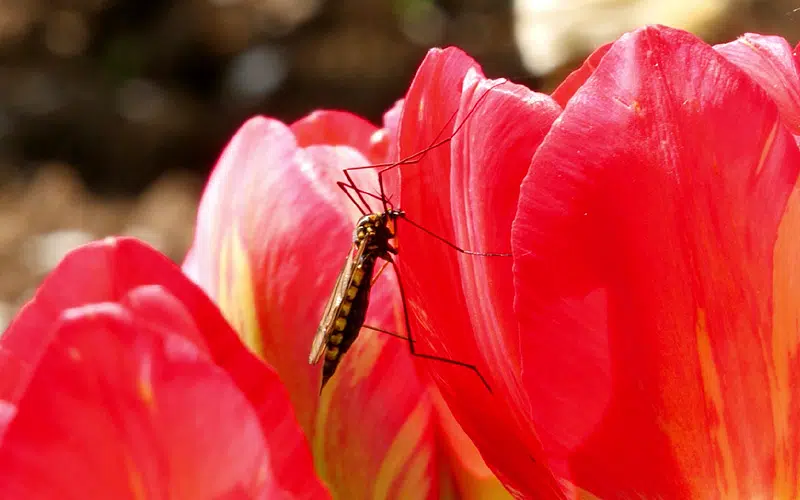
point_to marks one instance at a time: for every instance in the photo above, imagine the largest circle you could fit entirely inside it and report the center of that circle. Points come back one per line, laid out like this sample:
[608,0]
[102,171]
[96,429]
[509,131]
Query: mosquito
[347,306]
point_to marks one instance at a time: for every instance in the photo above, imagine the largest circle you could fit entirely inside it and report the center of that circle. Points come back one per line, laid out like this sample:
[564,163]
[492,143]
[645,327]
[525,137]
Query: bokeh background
[112,112]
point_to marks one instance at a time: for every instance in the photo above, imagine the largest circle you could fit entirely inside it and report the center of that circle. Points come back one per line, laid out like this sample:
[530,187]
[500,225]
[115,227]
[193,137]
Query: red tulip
[639,336]
[273,232]
[122,380]
[642,341]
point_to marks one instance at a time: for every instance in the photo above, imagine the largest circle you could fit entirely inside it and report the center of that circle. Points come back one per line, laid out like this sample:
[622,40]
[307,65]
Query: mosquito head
[394,214]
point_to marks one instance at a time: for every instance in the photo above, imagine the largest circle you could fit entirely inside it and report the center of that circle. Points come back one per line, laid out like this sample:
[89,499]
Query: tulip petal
[785,349]
[269,212]
[339,128]
[564,92]
[139,414]
[158,299]
[473,478]
[771,63]
[396,454]
[470,185]
[105,270]
[333,128]
[272,278]
[644,248]
[488,162]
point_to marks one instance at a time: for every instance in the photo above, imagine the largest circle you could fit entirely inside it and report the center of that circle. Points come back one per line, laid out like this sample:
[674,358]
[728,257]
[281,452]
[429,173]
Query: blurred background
[112,112]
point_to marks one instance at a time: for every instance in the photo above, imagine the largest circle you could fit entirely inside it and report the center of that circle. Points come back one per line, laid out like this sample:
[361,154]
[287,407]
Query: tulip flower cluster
[641,339]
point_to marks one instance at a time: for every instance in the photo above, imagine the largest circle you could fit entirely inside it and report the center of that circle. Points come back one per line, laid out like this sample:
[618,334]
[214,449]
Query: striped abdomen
[350,316]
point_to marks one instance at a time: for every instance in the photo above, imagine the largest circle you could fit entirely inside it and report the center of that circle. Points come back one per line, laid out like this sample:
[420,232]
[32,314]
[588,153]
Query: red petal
[98,272]
[273,233]
[397,453]
[473,478]
[338,128]
[391,126]
[160,300]
[140,414]
[577,78]
[269,211]
[643,259]
[769,60]
[467,194]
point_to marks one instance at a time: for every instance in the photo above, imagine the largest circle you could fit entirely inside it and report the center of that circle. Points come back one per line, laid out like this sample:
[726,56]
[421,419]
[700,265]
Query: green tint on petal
[236,297]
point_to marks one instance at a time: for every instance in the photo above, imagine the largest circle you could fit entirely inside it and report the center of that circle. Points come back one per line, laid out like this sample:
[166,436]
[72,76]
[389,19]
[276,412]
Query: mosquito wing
[334,303]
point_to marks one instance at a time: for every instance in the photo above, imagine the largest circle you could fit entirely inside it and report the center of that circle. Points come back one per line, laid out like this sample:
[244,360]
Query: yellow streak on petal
[135,480]
[416,481]
[767,149]
[235,297]
[581,494]
[785,349]
[146,393]
[74,354]
[407,448]
[363,356]
[356,366]
[474,478]
[322,431]
[715,405]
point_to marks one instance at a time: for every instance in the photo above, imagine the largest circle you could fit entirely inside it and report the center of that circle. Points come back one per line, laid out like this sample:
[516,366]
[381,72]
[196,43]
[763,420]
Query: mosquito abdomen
[350,316]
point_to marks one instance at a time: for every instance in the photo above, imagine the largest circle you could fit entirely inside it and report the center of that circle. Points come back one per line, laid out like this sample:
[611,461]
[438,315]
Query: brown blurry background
[112,112]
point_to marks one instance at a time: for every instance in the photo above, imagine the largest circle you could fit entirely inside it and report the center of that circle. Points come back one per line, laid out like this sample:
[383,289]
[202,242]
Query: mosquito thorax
[366,226]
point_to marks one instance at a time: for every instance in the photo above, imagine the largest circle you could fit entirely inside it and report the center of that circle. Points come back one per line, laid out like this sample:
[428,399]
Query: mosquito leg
[410,339]
[463,122]
[453,245]
[346,187]
[380,271]
[387,332]
[358,191]
[417,157]
[413,159]
[408,160]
